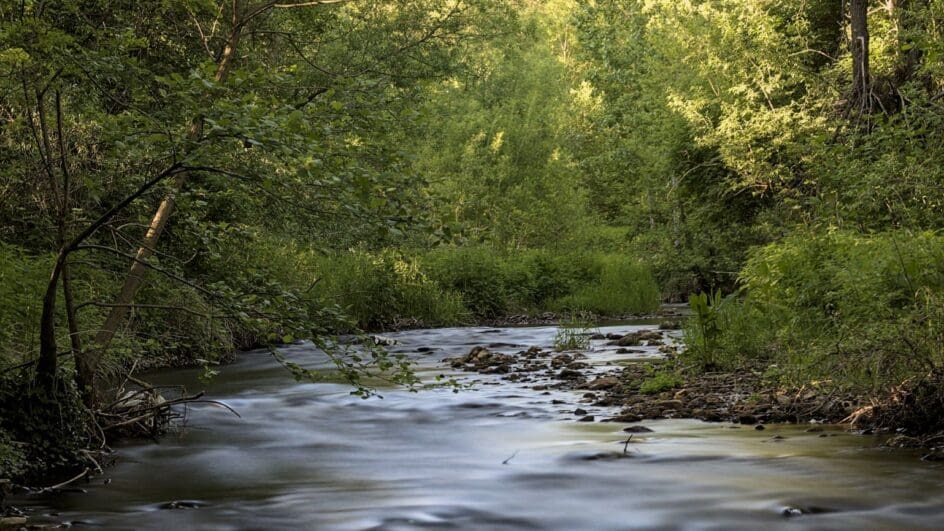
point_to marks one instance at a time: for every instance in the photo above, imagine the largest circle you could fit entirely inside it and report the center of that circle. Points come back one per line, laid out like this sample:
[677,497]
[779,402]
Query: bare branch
[148,265]
[146,306]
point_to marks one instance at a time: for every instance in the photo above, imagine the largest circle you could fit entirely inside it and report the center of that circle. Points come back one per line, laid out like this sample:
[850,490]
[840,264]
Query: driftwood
[145,411]
[65,483]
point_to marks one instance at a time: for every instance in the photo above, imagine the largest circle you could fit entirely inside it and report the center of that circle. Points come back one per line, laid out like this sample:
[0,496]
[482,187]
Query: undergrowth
[451,285]
[858,312]
[41,434]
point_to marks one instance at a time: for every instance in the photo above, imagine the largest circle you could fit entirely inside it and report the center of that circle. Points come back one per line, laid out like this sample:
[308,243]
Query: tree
[282,109]
[862,96]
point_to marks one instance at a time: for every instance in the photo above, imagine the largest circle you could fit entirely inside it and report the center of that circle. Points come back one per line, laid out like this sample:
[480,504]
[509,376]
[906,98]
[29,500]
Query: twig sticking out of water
[626,444]
[506,461]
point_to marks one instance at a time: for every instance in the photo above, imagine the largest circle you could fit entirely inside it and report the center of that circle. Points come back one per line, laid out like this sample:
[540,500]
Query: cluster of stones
[717,397]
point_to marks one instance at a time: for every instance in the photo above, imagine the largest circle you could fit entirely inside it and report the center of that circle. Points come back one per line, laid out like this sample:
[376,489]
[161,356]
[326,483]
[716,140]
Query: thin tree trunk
[82,377]
[47,363]
[861,75]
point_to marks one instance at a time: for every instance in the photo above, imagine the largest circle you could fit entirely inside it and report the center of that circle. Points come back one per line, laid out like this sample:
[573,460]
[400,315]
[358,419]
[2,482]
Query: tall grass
[377,290]
[618,285]
[466,284]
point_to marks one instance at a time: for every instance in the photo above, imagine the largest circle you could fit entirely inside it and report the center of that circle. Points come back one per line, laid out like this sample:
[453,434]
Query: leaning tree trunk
[135,277]
[48,351]
[47,363]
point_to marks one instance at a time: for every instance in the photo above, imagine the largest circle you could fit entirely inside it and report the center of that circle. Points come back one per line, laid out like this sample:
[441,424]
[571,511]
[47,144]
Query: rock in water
[747,419]
[629,340]
[12,522]
[383,341]
[604,382]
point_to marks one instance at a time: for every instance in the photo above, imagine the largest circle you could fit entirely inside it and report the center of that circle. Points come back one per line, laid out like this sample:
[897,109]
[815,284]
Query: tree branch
[160,270]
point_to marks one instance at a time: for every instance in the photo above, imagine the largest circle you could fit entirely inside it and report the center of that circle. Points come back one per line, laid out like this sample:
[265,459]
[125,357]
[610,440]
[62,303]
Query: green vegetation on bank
[853,311]
[785,161]
[183,179]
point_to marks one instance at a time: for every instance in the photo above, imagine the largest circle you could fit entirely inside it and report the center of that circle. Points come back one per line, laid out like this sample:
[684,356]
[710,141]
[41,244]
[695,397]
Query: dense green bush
[12,458]
[724,332]
[478,274]
[450,285]
[48,429]
[376,290]
[618,285]
[864,311]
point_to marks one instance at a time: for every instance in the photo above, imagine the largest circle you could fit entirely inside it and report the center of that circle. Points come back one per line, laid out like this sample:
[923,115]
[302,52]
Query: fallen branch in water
[88,455]
[145,411]
[64,483]
[218,403]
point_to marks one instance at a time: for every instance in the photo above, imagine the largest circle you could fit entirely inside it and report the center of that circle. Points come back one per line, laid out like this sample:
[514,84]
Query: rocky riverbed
[651,388]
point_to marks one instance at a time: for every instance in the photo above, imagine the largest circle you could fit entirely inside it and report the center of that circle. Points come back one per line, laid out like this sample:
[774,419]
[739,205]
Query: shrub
[661,381]
[12,458]
[377,290]
[49,429]
[864,311]
[619,286]
[476,273]
[723,332]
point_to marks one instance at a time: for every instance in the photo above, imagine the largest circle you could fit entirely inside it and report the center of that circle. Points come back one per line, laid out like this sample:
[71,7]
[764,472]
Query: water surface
[500,457]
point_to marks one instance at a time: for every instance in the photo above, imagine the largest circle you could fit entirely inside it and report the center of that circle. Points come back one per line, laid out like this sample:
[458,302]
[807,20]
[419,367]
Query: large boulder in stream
[634,339]
[603,382]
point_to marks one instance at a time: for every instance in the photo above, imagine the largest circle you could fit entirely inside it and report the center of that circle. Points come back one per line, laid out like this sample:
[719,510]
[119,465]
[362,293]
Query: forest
[184,180]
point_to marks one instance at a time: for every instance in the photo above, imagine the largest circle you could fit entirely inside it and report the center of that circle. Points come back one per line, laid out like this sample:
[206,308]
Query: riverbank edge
[741,396]
[745,396]
[661,388]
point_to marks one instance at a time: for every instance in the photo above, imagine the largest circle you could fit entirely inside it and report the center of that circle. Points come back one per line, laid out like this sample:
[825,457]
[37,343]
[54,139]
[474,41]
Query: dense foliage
[184,178]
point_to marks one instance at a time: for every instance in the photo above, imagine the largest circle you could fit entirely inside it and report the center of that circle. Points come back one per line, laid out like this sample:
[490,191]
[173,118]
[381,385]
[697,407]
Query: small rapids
[501,456]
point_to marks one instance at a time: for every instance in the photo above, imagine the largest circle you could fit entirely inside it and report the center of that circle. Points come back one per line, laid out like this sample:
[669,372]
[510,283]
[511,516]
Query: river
[501,456]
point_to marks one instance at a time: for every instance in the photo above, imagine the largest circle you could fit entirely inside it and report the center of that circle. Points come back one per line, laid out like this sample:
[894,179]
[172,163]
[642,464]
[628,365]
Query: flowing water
[500,457]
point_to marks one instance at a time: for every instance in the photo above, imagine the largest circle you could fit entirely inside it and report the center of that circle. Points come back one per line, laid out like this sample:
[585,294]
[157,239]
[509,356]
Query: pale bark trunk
[135,278]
